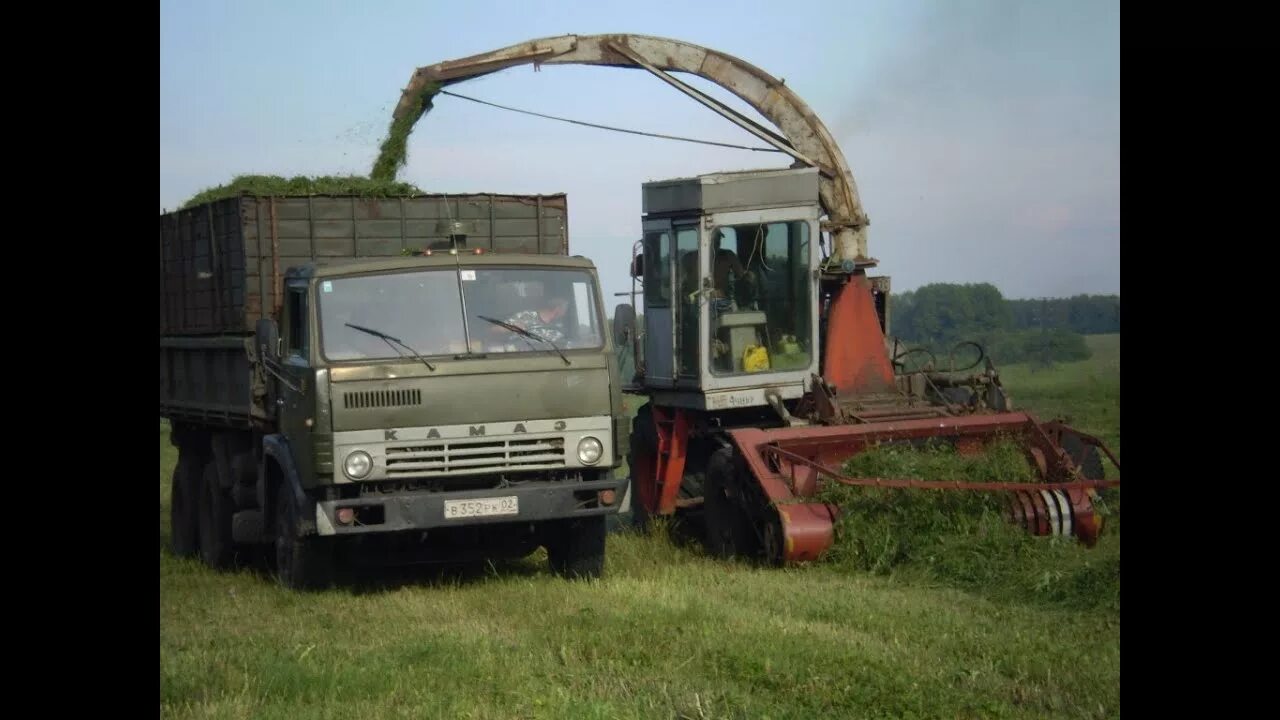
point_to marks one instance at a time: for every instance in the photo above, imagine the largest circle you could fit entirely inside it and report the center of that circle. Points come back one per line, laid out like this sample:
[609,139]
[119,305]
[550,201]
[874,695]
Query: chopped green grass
[277,186]
[965,538]
[394,151]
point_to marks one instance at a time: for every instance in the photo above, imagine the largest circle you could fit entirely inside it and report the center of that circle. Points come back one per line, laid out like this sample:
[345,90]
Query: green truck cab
[457,403]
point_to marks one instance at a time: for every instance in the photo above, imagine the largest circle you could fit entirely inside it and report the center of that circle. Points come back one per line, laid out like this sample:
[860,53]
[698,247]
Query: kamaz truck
[426,378]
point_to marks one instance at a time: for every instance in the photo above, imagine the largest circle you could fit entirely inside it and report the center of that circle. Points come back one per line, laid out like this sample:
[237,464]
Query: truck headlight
[589,450]
[358,464]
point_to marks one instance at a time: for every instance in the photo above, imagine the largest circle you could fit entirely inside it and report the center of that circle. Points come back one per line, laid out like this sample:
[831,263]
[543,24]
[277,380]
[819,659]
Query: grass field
[667,633]
[1087,392]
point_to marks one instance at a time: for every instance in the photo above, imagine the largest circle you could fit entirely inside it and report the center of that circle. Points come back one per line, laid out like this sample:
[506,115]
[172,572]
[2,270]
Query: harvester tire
[644,439]
[728,526]
[303,562]
[184,504]
[575,549]
[773,549]
[217,549]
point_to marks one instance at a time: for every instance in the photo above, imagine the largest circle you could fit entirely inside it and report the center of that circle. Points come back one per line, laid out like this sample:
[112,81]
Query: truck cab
[411,399]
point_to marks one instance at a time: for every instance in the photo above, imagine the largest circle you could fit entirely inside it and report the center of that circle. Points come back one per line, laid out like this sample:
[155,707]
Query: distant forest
[1042,331]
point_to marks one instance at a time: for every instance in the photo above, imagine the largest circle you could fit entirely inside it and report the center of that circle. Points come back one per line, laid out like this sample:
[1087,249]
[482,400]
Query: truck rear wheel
[184,504]
[216,547]
[576,547]
[303,562]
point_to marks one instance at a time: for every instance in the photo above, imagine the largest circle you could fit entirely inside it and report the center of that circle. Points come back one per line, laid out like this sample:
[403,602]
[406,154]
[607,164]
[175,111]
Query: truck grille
[470,457]
[381,399]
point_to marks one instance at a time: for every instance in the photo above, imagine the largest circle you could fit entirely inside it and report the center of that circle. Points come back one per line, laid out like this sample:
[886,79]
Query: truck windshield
[423,310]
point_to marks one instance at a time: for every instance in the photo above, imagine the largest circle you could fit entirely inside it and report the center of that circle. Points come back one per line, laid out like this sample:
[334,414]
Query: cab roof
[439,259]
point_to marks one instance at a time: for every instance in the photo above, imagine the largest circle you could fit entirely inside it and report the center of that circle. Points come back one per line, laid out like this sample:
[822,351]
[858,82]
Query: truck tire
[303,562]
[184,504]
[216,547]
[576,548]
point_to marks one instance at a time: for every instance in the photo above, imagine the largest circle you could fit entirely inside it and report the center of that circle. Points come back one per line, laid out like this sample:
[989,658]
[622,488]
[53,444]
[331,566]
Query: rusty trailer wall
[221,262]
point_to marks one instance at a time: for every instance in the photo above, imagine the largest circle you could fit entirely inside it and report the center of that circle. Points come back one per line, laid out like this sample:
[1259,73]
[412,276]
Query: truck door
[296,400]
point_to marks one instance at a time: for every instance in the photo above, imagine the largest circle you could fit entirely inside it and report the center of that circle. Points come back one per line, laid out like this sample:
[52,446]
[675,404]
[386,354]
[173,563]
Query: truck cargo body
[222,265]
[220,262]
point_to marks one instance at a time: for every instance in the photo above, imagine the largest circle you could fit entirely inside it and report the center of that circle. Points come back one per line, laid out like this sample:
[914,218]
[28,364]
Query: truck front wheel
[303,562]
[576,547]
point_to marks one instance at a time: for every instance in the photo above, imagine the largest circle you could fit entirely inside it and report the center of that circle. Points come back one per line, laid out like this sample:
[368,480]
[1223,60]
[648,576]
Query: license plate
[482,507]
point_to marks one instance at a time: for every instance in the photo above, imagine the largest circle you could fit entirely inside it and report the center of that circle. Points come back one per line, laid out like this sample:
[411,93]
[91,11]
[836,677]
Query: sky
[983,135]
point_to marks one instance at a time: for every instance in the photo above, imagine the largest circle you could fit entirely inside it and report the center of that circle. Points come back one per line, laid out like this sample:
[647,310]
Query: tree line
[940,315]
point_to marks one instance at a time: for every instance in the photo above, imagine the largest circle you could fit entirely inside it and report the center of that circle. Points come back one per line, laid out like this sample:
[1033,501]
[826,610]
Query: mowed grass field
[1087,392]
[667,633]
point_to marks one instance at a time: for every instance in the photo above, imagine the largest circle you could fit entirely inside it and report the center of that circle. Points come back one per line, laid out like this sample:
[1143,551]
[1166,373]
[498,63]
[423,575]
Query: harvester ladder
[673,445]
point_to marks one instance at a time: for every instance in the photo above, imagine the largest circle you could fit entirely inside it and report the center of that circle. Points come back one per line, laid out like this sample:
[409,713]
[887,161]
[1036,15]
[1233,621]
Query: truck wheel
[184,503]
[216,547]
[303,562]
[728,527]
[576,548]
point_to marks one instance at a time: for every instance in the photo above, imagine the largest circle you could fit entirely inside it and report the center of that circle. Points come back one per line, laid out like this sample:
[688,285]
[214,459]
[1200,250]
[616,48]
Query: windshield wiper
[525,333]
[390,340]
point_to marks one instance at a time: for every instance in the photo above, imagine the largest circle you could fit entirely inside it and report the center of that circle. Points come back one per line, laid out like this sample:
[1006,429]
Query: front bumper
[537,501]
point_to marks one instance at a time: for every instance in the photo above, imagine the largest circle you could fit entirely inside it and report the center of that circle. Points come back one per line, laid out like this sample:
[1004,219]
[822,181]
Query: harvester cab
[738,298]
[730,298]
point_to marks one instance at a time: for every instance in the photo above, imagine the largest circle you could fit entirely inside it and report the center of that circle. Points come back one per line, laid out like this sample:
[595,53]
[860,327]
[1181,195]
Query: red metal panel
[673,445]
[855,360]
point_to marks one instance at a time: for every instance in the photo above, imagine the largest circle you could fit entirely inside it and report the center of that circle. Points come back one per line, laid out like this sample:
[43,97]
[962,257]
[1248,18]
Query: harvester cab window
[761,312]
[690,301]
[297,320]
[657,269]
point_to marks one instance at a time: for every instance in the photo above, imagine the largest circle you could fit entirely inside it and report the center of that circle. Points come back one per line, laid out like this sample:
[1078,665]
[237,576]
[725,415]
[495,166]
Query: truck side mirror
[637,266]
[267,335]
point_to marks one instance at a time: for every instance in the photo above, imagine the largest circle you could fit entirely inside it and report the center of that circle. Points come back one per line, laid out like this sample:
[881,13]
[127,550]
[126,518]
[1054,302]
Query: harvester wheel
[644,444]
[728,527]
[216,547]
[303,562]
[576,547]
[184,504]
[774,554]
